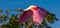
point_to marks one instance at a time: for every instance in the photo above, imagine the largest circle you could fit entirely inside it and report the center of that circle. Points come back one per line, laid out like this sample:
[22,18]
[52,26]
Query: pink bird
[36,12]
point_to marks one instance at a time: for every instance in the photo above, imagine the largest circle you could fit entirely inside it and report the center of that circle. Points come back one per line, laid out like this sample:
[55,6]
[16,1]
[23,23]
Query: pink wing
[25,16]
[38,15]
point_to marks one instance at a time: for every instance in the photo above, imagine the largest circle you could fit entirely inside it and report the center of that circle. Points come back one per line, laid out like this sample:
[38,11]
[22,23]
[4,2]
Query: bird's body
[35,12]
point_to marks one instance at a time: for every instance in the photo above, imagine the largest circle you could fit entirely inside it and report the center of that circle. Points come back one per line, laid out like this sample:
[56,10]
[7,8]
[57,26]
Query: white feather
[29,8]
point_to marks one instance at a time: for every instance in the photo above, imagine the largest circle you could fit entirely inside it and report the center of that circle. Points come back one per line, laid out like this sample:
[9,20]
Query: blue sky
[53,6]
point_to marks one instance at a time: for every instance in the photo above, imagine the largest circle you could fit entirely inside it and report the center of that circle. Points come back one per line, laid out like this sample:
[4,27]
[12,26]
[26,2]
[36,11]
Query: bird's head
[32,7]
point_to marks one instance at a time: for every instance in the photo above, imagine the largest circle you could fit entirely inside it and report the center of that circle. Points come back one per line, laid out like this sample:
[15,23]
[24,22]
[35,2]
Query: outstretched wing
[25,16]
[38,15]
